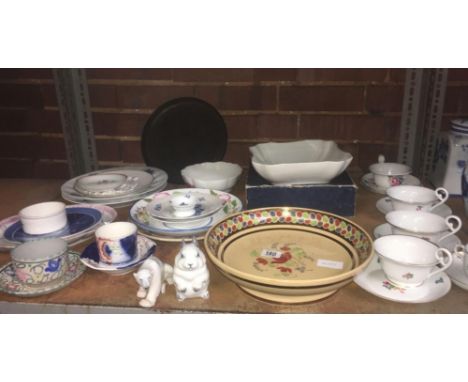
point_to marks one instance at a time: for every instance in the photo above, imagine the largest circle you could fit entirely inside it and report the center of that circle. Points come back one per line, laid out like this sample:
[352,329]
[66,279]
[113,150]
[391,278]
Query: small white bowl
[221,176]
[42,218]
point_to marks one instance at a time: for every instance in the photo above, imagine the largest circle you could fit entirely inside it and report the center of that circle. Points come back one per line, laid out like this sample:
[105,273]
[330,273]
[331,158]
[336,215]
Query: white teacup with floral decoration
[408,261]
[389,174]
[425,225]
[416,198]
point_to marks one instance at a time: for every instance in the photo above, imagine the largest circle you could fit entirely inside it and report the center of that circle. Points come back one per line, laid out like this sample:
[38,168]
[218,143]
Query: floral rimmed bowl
[288,255]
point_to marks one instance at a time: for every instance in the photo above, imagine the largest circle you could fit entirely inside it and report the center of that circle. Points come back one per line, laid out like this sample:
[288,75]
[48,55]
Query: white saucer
[456,273]
[449,242]
[384,205]
[373,280]
[145,248]
[368,182]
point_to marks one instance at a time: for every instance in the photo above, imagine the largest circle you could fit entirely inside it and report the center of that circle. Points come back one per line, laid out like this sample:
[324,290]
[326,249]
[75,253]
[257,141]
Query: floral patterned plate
[288,255]
[158,182]
[373,280]
[368,182]
[140,216]
[9,284]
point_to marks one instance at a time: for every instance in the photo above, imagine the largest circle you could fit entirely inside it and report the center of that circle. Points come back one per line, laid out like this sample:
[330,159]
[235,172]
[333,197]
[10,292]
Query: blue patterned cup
[117,242]
[40,262]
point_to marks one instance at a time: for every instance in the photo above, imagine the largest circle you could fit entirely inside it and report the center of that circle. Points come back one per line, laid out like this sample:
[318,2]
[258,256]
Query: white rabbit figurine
[191,276]
[152,275]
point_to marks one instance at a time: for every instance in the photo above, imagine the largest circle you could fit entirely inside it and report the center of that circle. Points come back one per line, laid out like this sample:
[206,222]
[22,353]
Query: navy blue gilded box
[337,197]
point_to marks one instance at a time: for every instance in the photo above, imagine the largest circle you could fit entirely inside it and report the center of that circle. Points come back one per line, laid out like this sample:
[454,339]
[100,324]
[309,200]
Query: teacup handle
[442,194]
[454,224]
[459,250]
[441,258]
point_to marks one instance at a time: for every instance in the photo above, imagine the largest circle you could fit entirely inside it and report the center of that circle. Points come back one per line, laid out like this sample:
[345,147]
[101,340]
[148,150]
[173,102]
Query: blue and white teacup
[40,262]
[117,242]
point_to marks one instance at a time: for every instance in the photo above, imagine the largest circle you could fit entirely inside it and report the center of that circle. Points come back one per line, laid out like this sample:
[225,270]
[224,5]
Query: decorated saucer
[205,205]
[374,281]
[148,181]
[384,205]
[163,229]
[449,242]
[83,220]
[9,283]
[456,272]
[145,248]
[368,182]
[110,184]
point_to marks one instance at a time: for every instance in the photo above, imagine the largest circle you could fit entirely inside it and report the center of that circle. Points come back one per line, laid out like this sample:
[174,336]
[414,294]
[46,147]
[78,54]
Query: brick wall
[358,108]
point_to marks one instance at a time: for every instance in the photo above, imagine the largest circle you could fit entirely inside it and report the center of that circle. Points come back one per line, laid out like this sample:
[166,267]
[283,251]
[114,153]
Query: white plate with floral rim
[158,182]
[368,182]
[111,184]
[10,284]
[374,281]
[385,206]
[108,216]
[449,242]
[140,216]
[90,257]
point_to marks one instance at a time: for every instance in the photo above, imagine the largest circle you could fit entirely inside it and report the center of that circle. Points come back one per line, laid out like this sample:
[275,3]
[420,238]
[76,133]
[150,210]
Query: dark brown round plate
[182,132]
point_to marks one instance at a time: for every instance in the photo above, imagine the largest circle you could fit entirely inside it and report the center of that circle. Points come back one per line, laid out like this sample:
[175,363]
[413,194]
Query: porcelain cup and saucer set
[416,248]
[384,175]
[419,211]
[407,269]
[118,249]
[44,265]
[39,237]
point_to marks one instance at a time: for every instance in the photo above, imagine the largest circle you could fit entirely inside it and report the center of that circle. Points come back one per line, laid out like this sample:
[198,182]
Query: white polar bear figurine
[152,275]
[191,276]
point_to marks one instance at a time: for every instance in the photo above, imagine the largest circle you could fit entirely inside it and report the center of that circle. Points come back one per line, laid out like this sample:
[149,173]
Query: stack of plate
[156,218]
[118,186]
[83,220]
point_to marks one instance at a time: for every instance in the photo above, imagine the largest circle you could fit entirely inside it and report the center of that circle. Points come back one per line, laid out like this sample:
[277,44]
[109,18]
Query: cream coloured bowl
[221,176]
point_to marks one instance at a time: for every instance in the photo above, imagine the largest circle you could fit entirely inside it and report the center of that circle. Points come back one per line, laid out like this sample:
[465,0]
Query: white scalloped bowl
[300,162]
[221,176]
